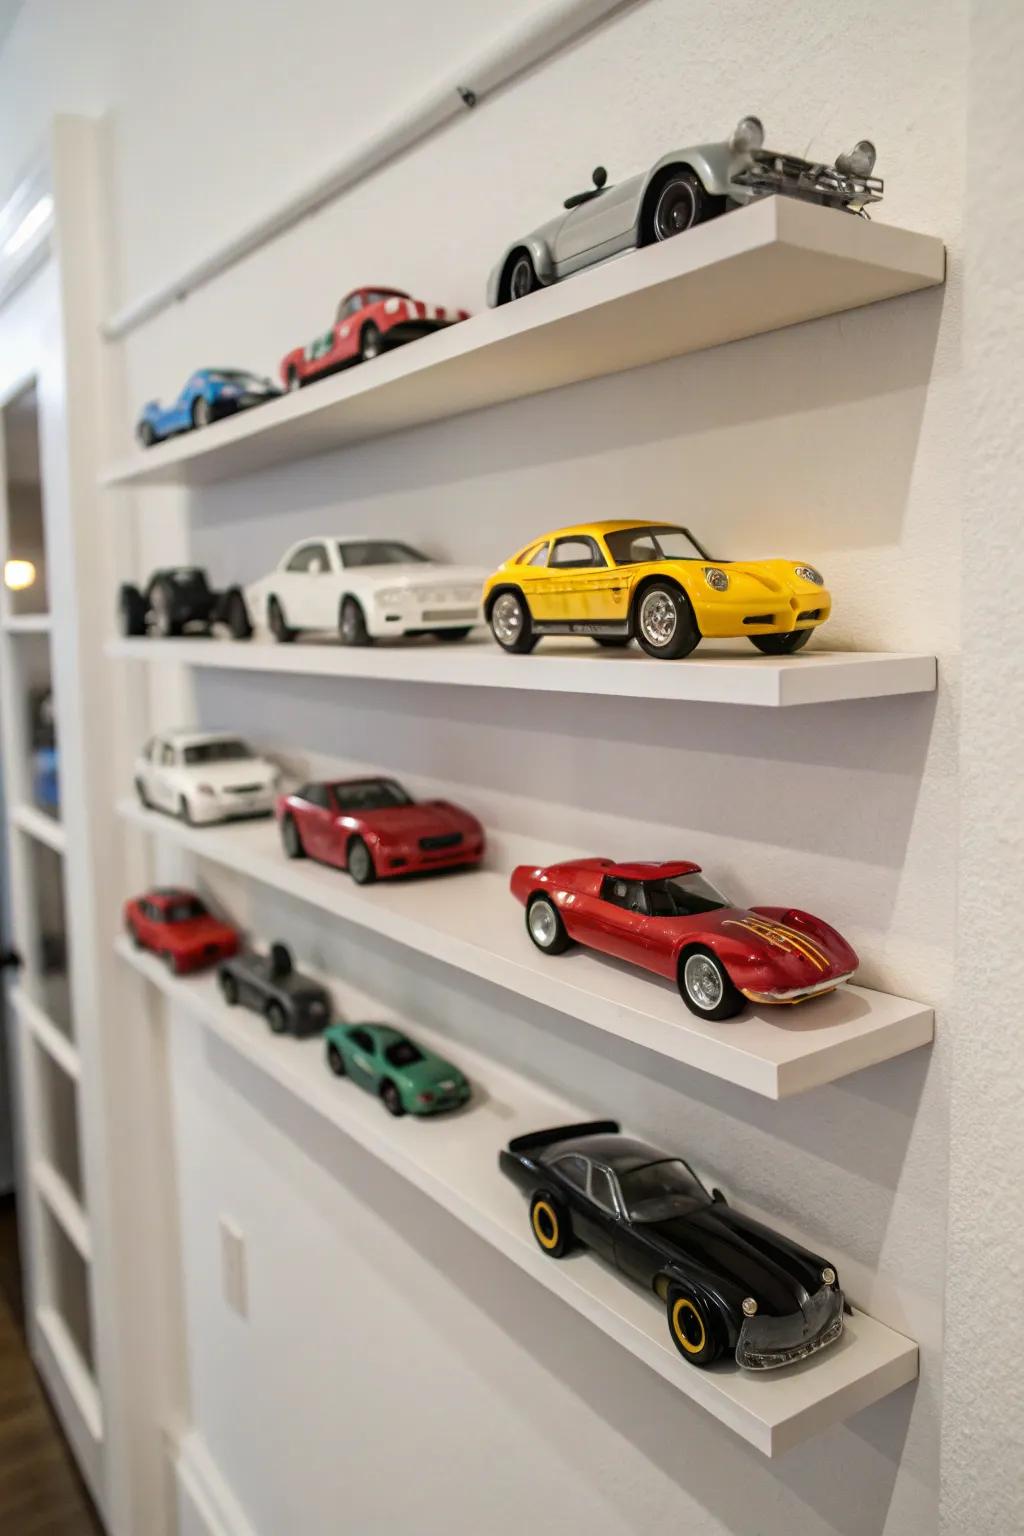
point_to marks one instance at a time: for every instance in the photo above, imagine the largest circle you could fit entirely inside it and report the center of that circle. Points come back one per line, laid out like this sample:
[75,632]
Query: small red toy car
[175,925]
[669,919]
[373,828]
[368,322]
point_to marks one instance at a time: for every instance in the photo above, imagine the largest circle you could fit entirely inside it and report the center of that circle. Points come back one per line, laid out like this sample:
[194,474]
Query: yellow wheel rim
[545,1225]
[684,1305]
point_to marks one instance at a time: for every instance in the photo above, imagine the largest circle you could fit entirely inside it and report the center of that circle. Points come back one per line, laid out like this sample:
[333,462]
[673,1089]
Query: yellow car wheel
[511,625]
[551,1225]
[663,621]
[691,1326]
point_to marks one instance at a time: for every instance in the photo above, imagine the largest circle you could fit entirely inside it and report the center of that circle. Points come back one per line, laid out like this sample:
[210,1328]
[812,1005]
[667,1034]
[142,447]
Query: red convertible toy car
[669,919]
[369,320]
[175,925]
[372,828]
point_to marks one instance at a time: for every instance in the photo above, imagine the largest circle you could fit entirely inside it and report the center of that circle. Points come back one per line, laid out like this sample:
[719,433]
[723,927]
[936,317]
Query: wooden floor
[40,1491]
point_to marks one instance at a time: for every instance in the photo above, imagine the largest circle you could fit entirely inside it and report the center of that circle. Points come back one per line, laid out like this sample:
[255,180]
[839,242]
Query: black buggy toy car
[270,985]
[179,600]
[727,1282]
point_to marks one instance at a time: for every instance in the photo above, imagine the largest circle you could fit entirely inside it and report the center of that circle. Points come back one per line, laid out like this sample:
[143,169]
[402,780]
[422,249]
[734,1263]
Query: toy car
[177,600]
[683,188]
[175,925]
[365,590]
[727,1282]
[209,394]
[670,920]
[372,828]
[404,1076]
[368,322]
[205,776]
[269,984]
[654,583]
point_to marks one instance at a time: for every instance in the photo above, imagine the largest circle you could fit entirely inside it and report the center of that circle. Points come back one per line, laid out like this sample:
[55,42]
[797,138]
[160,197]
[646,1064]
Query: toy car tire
[171,961]
[692,1328]
[236,615]
[352,623]
[521,278]
[675,204]
[781,645]
[140,790]
[705,985]
[293,381]
[276,1019]
[291,838]
[510,622]
[202,412]
[132,607]
[161,602]
[392,1100]
[370,345]
[663,621]
[147,435]
[133,935]
[184,810]
[335,1060]
[276,623]
[450,635]
[545,926]
[359,862]
[551,1225]
[229,989]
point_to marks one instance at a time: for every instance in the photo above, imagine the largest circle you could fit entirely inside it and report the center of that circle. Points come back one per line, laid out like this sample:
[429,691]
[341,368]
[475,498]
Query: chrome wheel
[370,343]
[543,923]
[703,981]
[202,412]
[676,209]
[293,380]
[658,618]
[507,619]
[521,281]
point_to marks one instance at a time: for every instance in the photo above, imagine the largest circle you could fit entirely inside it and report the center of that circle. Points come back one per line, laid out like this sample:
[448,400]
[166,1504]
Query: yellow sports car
[654,583]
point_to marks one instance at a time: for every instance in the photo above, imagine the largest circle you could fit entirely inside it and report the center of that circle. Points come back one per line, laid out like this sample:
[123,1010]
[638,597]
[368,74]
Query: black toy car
[269,984]
[727,1282]
[178,600]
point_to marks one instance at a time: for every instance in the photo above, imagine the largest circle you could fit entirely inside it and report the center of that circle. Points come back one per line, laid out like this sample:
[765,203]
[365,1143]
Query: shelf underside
[470,921]
[773,264]
[454,1161]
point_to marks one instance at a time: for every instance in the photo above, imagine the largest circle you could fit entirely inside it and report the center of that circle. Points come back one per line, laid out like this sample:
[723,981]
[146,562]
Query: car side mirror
[600,177]
[718,1197]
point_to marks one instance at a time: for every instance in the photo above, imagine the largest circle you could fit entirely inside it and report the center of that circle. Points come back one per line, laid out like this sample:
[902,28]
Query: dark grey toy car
[269,984]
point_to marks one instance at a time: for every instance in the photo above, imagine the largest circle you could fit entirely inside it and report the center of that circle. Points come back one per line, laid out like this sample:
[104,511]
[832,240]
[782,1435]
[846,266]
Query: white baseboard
[206,1505]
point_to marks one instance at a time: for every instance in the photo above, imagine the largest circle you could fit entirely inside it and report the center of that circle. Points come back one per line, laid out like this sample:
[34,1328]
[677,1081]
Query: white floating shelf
[27,624]
[470,921]
[772,264]
[65,1207]
[44,828]
[454,1162]
[717,674]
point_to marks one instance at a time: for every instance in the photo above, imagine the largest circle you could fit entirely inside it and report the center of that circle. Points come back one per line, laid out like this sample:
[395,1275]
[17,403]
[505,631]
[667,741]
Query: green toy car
[406,1078]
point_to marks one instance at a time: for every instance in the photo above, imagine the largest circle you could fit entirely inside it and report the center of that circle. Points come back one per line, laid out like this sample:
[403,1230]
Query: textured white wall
[382,1334]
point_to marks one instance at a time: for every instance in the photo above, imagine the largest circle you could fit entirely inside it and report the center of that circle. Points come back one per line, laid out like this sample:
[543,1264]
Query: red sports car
[372,828]
[669,919]
[369,320]
[175,925]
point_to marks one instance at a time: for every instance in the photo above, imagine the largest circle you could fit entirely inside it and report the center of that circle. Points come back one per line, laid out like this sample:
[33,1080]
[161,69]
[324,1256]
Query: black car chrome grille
[442,840]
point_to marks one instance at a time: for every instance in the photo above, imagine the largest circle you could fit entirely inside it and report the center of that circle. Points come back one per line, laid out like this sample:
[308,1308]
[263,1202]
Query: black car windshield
[378,552]
[661,1190]
[228,750]
[634,546]
[184,911]
[403,1054]
[369,795]
[683,896]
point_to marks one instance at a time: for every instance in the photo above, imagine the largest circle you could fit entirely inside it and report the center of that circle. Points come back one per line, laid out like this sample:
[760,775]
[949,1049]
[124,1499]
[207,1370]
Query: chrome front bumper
[767,1343]
[798,994]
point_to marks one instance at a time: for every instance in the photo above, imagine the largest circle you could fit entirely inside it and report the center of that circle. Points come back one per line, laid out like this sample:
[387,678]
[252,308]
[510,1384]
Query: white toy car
[205,776]
[364,590]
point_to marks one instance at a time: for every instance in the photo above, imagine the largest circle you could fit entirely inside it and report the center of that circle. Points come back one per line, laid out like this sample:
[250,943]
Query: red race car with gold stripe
[669,919]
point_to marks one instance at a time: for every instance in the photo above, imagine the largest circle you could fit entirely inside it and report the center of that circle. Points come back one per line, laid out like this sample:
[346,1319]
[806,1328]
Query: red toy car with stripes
[670,920]
[374,829]
[369,321]
[175,925]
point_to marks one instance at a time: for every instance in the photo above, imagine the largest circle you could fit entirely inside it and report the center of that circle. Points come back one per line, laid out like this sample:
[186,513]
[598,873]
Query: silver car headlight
[828,1275]
[749,1306]
[747,135]
[391,597]
[716,579]
[808,573]
[859,161]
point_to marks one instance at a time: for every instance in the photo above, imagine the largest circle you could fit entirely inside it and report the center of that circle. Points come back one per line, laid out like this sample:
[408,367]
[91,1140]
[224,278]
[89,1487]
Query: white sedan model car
[365,590]
[205,776]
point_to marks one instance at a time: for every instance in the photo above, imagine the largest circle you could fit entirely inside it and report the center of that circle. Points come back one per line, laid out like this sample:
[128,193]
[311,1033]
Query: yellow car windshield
[636,546]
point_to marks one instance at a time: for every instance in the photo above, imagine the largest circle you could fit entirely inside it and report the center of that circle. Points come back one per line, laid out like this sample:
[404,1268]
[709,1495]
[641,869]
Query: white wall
[383,1335]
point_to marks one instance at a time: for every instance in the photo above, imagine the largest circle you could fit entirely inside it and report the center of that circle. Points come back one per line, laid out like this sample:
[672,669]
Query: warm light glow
[30,225]
[19,574]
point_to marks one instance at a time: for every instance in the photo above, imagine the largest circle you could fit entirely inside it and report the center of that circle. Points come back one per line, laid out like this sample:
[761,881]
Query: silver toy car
[684,188]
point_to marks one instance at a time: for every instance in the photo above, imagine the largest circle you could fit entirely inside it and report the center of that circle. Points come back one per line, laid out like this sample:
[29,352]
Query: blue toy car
[209,394]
